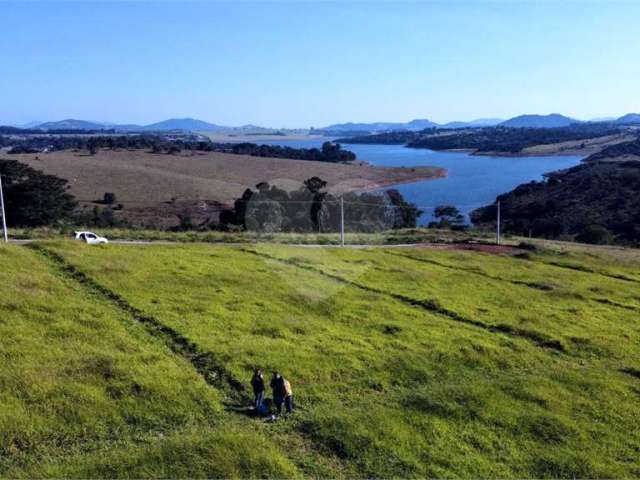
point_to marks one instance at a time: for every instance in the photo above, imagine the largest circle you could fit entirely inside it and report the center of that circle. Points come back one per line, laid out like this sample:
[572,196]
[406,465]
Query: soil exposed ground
[143,182]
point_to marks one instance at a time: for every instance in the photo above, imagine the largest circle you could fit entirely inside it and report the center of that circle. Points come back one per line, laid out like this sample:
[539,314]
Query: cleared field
[404,362]
[146,183]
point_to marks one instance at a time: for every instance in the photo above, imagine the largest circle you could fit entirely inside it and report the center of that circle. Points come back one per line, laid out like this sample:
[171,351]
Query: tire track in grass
[213,372]
[583,269]
[606,301]
[537,338]
[205,363]
[536,286]
[533,285]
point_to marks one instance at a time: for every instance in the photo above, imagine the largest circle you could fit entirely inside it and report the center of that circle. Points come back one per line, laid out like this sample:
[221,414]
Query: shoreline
[523,154]
[438,174]
[564,153]
[147,181]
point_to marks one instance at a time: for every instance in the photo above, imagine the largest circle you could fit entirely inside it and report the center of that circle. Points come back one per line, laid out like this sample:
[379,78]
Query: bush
[109,198]
[527,246]
[595,234]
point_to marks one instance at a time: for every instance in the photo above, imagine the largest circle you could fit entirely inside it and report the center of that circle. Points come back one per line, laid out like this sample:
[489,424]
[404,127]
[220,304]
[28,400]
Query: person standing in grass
[257,383]
[277,387]
[282,393]
[288,396]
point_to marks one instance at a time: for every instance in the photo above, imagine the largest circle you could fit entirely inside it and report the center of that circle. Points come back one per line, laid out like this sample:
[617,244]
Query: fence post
[342,221]
[498,225]
[4,218]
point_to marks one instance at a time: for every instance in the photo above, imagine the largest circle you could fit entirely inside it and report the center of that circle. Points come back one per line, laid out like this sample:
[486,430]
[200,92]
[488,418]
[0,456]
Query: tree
[104,217]
[448,216]
[405,214]
[312,209]
[173,148]
[595,234]
[32,198]
[315,184]
[92,146]
[109,198]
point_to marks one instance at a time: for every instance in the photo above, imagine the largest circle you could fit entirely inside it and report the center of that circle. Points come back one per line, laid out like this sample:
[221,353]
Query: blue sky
[301,64]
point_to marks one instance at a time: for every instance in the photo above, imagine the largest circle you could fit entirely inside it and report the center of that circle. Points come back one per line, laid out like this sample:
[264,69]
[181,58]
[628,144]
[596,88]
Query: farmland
[405,362]
[152,186]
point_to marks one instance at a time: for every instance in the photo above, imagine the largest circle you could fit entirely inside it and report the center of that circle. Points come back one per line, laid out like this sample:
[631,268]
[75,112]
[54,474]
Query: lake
[472,181]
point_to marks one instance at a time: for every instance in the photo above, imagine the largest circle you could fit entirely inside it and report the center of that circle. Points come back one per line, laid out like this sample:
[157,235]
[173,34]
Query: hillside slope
[553,120]
[200,182]
[404,362]
[595,202]
[89,392]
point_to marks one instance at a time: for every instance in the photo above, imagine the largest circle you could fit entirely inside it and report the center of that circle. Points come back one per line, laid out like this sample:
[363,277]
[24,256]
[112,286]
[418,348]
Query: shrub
[595,234]
[109,198]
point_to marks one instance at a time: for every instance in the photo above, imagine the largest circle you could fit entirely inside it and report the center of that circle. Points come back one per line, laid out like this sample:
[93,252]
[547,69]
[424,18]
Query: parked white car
[90,238]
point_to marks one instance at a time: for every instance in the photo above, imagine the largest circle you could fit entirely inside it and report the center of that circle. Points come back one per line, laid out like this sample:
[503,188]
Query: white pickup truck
[90,238]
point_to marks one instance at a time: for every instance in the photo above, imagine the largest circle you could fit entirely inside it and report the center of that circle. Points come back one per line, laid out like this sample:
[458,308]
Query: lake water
[472,181]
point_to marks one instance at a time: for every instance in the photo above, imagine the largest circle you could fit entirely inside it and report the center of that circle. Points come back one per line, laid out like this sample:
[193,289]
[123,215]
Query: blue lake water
[472,181]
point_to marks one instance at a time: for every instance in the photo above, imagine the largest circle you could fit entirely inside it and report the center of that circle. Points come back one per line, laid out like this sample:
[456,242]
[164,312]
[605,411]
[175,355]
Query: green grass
[391,237]
[404,362]
[86,392]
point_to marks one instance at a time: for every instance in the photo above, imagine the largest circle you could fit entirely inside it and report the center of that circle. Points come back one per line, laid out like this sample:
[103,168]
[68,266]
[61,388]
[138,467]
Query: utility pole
[4,218]
[498,225]
[342,221]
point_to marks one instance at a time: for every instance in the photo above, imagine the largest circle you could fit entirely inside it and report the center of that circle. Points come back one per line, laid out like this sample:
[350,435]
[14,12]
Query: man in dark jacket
[279,391]
[257,383]
[282,393]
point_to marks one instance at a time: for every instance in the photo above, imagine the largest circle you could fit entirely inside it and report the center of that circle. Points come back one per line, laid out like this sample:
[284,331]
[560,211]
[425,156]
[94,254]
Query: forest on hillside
[618,150]
[489,139]
[592,203]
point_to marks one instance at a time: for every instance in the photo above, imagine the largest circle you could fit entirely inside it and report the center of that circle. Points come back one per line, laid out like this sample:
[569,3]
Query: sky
[304,63]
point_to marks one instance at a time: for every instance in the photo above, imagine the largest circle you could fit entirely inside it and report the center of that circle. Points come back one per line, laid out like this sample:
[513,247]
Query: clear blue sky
[303,64]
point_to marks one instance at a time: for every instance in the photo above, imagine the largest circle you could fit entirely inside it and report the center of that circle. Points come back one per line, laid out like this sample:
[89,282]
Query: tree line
[35,199]
[311,209]
[489,139]
[329,152]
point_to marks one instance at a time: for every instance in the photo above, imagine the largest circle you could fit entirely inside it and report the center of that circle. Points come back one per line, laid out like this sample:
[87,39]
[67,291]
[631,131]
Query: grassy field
[135,361]
[390,237]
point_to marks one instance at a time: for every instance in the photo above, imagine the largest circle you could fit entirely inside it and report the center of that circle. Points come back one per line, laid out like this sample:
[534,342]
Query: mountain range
[190,124]
[412,126]
[553,120]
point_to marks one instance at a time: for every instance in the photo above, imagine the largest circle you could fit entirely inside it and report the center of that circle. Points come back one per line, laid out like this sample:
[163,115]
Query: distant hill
[191,124]
[71,124]
[629,118]
[413,125]
[187,124]
[553,120]
[480,122]
[28,124]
